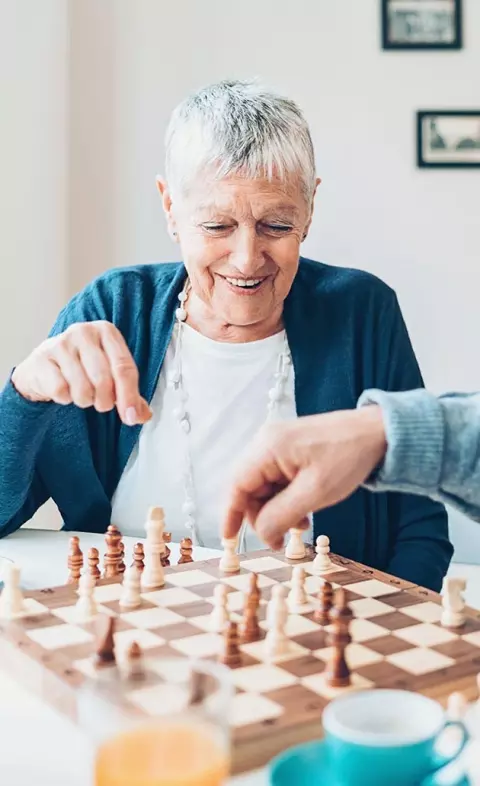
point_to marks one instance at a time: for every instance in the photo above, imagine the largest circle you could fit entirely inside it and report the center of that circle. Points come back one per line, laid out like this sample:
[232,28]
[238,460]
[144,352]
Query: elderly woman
[155,378]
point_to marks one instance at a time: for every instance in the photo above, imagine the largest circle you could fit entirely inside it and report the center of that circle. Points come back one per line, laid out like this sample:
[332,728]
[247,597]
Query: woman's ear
[162,188]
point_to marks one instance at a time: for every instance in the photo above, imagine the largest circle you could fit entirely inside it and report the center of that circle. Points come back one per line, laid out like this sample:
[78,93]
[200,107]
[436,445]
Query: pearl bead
[182,297]
[173,378]
[287,360]
[188,507]
[179,413]
[185,424]
[275,394]
[181,314]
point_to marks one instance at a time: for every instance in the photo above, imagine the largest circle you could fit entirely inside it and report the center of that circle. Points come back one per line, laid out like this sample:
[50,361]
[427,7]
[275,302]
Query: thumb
[287,508]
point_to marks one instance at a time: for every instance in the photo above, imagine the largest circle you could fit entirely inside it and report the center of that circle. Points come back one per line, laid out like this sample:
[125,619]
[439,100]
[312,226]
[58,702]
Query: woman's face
[240,241]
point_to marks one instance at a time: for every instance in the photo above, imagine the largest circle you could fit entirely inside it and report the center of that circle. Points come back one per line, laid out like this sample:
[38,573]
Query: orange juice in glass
[170,729]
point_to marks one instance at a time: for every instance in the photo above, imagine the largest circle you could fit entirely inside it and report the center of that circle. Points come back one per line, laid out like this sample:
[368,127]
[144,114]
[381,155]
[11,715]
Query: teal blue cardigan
[346,334]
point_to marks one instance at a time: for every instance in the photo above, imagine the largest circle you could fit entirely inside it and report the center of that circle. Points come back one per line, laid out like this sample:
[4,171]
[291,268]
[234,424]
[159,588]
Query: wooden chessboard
[397,642]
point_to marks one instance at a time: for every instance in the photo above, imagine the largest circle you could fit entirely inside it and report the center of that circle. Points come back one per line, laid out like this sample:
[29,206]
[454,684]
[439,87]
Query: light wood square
[163,699]
[424,612]
[425,635]
[152,618]
[144,638]
[372,588]
[250,708]
[170,596]
[258,650]
[369,607]
[262,678]
[202,646]
[318,684]
[472,638]
[296,625]
[261,564]
[363,630]
[59,636]
[190,578]
[32,608]
[419,660]
[242,582]
[310,568]
[108,592]
[357,655]
[70,614]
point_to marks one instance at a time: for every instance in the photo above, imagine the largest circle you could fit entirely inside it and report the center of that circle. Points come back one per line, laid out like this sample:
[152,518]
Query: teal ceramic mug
[379,737]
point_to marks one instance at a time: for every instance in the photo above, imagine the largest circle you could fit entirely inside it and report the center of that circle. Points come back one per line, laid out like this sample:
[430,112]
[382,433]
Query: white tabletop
[37,745]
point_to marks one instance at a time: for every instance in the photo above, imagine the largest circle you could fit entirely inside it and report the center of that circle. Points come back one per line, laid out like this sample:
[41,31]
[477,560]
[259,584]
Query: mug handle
[440,762]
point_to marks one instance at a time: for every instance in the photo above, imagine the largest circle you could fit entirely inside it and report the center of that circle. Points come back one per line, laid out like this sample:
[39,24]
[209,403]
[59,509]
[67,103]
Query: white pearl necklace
[180,412]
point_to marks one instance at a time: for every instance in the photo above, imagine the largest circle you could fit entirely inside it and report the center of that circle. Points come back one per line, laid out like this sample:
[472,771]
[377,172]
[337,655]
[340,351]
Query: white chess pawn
[456,706]
[229,561]
[295,548]
[453,603]
[322,562]
[297,597]
[131,588]
[276,641]
[85,607]
[11,600]
[153,575]
[219,616]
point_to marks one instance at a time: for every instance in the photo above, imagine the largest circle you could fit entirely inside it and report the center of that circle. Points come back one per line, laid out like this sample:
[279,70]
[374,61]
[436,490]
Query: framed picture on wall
[422,24]
[448,138]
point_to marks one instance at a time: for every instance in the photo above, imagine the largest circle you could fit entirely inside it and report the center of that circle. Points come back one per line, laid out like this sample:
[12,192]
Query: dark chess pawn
[139,557]
[113,554]
[93,560]
[186,548]
[337,673]
[231,655]
[75,560]
[324,603]
[105,644]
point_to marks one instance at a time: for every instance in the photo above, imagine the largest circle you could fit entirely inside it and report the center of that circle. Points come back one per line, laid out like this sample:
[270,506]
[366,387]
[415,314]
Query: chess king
[154,378]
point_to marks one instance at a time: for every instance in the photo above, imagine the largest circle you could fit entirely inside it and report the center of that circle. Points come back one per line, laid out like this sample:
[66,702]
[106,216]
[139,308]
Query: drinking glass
[166,725]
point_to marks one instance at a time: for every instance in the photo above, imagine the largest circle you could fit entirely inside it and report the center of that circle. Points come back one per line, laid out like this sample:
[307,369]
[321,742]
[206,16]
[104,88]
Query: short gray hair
[238,127]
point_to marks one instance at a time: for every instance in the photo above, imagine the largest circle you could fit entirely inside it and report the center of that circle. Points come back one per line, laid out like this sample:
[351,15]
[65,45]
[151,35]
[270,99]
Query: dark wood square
[315,640]
[458,649]
[388,645]
[177,631]
[381,674]
[304,666]
[197,609]
[395,620]
[278,574]
[400,600]
[297,700]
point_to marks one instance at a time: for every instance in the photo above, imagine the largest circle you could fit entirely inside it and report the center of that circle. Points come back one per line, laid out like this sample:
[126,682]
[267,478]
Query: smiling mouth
[245,283]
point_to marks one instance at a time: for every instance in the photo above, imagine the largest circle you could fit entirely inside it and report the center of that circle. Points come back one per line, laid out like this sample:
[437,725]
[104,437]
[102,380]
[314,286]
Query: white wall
[131,62]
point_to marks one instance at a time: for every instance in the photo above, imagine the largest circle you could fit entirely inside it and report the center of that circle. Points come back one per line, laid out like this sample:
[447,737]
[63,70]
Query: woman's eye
[216,227]
[278,229]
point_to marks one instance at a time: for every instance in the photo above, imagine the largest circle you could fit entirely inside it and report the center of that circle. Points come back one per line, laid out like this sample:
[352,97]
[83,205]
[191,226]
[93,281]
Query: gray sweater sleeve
[433,446]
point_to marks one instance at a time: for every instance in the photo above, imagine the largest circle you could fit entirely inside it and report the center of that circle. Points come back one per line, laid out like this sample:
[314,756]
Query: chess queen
[173,368]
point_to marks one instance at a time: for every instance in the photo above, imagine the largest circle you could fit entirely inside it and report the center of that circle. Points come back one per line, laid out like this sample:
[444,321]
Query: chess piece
[219,617]
[93,560]
[130,598]
[276,641]
[324,603]
[105,647]
[75,560]
[153,574]
[297,597]
[253,589]
[322,562]
[453,603]
[121,563]
[186,548]
[295,548]
[113,554]
[337,673]
[231,655]
[229,561]
[85,607]
[138,557]
[134,662]
[457,706]
[249,628]
[167,538]
[11,599]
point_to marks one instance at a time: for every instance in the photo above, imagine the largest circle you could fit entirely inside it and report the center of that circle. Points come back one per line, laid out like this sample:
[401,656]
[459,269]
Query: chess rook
[337,673]
[322,562]
[453,603]
[295,548]
[153,573]
[324,603]
[113,554]
[229,561]
[75,560]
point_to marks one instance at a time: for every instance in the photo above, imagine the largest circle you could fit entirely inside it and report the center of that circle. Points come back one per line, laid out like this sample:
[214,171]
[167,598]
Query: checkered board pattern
[397,642]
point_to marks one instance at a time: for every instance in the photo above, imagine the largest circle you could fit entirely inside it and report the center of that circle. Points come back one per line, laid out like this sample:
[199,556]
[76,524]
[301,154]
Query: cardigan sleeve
[421,549]
[26,426]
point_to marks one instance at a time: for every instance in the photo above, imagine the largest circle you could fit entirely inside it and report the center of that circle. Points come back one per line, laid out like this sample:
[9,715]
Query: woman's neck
[204,321]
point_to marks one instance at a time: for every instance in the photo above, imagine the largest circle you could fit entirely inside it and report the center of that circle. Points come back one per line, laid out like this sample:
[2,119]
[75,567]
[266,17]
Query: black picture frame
[449,158]
[388,44]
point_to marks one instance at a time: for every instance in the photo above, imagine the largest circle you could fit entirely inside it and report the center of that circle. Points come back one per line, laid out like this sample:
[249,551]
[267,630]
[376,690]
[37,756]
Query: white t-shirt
[227,387]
